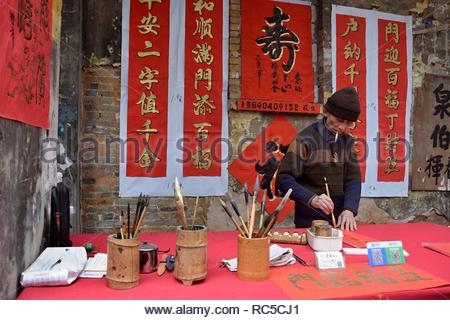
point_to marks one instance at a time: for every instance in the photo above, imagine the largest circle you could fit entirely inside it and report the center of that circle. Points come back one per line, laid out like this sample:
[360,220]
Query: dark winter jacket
[311,156]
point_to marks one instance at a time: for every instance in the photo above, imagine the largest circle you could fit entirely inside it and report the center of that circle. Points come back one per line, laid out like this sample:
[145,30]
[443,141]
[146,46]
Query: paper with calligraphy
[25,54]
[173,119]
[373,53]
[356,280]
[277,68]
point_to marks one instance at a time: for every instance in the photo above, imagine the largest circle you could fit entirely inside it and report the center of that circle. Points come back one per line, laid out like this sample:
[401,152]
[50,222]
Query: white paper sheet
[55,266]
[96,266]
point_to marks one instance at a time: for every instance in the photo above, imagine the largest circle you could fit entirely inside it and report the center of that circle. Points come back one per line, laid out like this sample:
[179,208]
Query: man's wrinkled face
[336,124]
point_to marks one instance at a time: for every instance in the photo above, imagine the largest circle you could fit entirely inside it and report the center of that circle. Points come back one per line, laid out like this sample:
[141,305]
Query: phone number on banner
[270,106]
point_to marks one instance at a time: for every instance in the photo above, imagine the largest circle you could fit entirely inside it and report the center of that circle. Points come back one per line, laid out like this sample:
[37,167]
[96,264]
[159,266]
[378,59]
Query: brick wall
[99,150]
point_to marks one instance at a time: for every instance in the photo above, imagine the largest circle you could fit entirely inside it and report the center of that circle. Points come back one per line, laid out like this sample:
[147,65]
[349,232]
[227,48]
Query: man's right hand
[324,203]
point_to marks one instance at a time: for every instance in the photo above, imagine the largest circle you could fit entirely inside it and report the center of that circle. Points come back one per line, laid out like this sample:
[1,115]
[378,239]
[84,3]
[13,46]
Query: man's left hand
[347,221]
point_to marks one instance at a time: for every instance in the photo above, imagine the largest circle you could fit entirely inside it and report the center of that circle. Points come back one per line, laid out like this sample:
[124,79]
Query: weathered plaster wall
[23,200]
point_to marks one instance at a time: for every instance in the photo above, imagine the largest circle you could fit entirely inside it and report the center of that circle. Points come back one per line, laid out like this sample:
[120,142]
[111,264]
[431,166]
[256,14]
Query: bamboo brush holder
[122,269]
[253,258]
[191,254]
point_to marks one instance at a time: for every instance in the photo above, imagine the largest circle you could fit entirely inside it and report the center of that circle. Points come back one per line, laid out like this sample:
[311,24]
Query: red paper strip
[392,88]
[441,247]
[203,82]
[147,89]
[351,71]
[359,279]
[356,239]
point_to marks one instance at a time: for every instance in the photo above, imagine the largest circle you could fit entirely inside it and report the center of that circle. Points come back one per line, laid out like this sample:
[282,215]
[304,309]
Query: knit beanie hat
[344,104]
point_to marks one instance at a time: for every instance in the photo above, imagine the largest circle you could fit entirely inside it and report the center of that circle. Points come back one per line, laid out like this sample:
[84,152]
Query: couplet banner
[373,53]
[173,115]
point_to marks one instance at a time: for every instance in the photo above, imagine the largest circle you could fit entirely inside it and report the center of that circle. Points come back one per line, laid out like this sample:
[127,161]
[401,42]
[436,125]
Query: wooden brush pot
[253,258]
[191,254]
[122,263]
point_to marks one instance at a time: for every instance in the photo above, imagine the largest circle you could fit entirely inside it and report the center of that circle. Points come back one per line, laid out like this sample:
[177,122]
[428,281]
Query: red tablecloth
[221,284]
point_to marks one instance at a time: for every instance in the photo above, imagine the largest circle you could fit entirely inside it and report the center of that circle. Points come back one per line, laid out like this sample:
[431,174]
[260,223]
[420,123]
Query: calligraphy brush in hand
[333,219]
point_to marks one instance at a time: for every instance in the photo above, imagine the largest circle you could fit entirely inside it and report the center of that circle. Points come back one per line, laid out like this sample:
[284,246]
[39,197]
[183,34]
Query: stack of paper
[95,266]
[278,256]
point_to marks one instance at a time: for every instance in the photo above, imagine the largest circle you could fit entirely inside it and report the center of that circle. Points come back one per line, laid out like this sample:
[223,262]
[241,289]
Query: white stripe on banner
[163,186]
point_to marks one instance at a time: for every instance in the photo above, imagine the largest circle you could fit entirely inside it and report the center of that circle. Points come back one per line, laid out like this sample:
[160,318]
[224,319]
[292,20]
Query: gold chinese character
[202,75]
[391,118]
[202,53]
[391,165]
[147,158]
[202,133]
[148,23]
[351,26]
[147,130]
[147,77]
[351,51]
[350,71]
[202,158]
[148,45]
[391,29]
[391,55]
[203,105]
[204,28]
[391,99]
[148,103]
[392,76]
[150,2]
[391,142]
[200,5]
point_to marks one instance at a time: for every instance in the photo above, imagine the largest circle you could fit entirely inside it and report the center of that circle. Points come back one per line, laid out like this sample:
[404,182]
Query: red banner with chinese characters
[147,110]
[373,53]
[351,71]
[360,279]
[25,55]
[392,88]
[277,68]
[174,74]
[203,89]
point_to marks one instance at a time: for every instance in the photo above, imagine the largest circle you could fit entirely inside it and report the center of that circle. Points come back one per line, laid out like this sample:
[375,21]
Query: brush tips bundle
[265,225]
